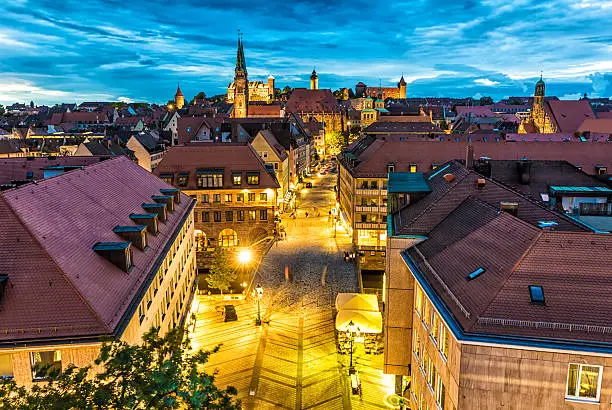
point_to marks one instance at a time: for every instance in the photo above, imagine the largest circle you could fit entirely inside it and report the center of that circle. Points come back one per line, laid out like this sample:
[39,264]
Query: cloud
[486,82]
[492,47]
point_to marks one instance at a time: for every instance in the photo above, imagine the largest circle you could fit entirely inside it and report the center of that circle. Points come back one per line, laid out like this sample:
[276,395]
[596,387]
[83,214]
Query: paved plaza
[291,361]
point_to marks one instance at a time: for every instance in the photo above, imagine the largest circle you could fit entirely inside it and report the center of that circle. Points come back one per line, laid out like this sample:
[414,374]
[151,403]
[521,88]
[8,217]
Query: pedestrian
[306,214]
[346,256]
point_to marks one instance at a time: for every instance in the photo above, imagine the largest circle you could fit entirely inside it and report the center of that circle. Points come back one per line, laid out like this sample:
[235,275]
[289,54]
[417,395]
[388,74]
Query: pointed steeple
[402,81]
[178,90]
[240,61]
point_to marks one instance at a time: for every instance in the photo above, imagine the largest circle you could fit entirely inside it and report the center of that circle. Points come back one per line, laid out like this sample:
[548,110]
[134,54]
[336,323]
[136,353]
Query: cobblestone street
[291,361]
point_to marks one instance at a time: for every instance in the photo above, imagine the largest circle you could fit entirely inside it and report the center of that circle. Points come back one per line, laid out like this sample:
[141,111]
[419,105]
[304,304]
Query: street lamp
[352,330]
[259,292]
[244,256]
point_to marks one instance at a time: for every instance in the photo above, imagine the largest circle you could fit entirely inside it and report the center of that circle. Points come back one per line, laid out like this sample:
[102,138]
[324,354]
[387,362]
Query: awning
[367,322]
[357,301]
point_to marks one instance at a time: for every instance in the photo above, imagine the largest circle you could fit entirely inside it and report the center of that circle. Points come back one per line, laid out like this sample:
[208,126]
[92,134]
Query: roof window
[118,253]
[537,294]
[172,191]
[159,209]
[149,220]
[475,274]
[165,199]
[546,224]
[137,234]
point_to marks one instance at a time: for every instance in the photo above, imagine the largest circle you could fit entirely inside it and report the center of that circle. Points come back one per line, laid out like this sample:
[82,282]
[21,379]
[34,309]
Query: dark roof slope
[312,101]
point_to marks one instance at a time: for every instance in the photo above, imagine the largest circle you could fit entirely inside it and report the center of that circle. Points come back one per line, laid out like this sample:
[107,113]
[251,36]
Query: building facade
[276,158]
[56,306]
[236,195]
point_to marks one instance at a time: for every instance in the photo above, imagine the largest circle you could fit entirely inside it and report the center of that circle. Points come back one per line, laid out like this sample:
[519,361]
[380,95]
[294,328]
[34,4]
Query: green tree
[222,273]
[2,109]
[486,101]
[334,142]
[161,373]
[31,104]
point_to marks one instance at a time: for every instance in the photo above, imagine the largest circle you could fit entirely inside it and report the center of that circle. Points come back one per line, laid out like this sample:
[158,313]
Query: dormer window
[413,168]
[390,167]
[182,179]
[253,178]
[210,178]
[137,234]
[167,178]
[118,253]
[236,178]
[601,170]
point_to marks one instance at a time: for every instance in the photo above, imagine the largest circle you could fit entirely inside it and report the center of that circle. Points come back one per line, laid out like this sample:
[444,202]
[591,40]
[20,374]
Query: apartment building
[236,195]
[365,164]
[103,251]
[484,299]
[276,158]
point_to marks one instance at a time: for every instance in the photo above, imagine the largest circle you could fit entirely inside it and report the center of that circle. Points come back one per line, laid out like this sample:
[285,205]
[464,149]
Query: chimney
[469,159]
[149,220]
[137,234]
[165,199]
[523,167]
[480,183]
[118,253]
[159,209]
[175,192]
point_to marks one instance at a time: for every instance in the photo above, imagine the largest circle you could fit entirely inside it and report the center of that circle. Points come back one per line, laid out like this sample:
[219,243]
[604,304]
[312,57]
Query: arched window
[228,237]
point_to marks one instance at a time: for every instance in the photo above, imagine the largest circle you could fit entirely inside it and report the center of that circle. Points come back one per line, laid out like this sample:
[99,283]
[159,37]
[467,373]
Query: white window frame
[440,397]
[576,397]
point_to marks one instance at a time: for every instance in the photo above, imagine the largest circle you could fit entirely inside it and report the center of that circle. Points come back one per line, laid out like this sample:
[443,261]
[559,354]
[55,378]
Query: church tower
[537,112]
[402,87]
[179,98]
[314,80]
[241,84]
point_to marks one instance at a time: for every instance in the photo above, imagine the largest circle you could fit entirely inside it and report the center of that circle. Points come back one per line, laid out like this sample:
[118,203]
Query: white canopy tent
[359,308]
[356,301]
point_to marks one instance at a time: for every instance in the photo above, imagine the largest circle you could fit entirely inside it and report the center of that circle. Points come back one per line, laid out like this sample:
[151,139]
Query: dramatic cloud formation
[71,50]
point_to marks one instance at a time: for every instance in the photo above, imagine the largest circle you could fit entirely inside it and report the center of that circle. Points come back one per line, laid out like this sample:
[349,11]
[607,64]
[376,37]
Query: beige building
[275,157]
[478,311]
[236,195]
[118,258]
[148,150]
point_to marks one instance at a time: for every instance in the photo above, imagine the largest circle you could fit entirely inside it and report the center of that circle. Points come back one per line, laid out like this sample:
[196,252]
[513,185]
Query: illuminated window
[440,392]
[239,197]
[6,366]
[240,216]
[413,168]
[182,179]
[584,382]
[251,197]
[217,197]
[252,215]
[167,178]
[263,197]
[204,198]
[253,178]
[210,178]
[45,363]
[228,197]
[236,179]
[263,215]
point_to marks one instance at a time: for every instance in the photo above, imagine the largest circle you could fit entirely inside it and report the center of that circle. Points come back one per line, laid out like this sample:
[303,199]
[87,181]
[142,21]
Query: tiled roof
[515,255]
[79,117]
[542,175]
[188,128]
[312,101]
[17,169]
[273,142]
[228,157]
[396,127]
[61,279]
[569,115]
[151,144]
[373,159]
[422,216]
[597,125]
[270,110]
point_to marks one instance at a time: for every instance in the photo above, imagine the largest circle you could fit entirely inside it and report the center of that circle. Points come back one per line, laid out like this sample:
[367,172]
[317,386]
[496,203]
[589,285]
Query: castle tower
[179,98]
[314,80]
[241,84]
[271,87]
[402,87]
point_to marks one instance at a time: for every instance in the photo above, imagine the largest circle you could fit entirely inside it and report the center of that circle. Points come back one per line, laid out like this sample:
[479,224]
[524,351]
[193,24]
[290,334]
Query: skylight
[546,224]
[537,294]
[475,274]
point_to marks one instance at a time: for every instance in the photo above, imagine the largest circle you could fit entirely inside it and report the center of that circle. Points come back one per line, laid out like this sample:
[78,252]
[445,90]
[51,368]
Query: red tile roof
[65,216]
[188,128]
[568,115]
[373,159]
[597,125]
[85,117]
[312,101]
[228,157]
[270,110]
[17,169]
[568,265]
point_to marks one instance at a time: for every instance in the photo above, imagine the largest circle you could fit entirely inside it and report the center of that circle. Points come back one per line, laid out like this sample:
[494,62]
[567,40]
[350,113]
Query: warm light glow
[245,256]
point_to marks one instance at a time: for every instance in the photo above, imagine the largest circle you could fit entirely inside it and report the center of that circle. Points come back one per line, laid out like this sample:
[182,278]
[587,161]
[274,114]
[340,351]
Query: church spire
[240,61]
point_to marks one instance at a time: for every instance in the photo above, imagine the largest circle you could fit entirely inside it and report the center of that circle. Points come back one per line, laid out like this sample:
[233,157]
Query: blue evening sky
[54,51]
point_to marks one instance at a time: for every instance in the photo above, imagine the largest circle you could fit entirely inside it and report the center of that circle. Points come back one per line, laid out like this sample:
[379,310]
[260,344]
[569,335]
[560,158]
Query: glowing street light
[352,331]
[245,256]
[259,293]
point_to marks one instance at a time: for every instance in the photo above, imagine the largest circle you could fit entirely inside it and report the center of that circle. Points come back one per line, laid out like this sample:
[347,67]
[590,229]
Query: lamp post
[259,292]
[351,331]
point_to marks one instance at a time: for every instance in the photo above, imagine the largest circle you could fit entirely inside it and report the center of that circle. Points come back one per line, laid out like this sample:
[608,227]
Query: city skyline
[68,51]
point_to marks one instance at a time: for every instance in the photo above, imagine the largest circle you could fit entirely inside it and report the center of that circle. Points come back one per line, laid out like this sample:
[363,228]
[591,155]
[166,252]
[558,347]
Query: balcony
[371,192]
[370,225]
[364,208]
